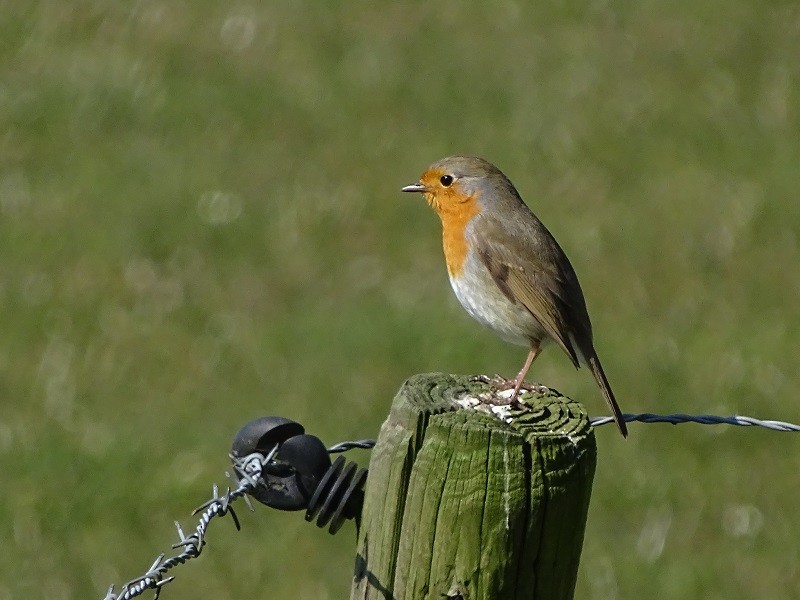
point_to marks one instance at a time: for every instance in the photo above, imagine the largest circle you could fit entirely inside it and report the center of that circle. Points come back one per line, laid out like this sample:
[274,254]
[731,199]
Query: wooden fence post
[461,504]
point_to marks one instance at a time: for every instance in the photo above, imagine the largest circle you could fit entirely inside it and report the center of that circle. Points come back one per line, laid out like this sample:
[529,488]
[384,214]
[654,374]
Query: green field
[201,223]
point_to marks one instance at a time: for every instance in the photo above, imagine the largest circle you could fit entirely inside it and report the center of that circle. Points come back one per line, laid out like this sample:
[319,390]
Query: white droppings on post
[495,403]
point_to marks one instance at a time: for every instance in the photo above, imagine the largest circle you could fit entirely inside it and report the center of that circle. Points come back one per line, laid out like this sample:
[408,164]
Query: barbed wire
[249,469]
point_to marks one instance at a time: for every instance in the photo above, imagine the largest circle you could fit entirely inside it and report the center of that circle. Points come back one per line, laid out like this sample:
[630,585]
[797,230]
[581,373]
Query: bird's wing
[544,285]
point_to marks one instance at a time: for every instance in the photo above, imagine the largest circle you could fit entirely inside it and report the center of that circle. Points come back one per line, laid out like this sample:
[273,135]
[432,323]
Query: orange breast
[455,218]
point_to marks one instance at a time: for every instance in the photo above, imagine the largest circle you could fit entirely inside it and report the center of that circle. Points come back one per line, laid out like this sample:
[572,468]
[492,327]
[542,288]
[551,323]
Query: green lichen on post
[460,502]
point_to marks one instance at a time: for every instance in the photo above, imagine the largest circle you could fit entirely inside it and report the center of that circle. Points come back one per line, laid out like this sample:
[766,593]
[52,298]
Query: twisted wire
[345,446]
[679,418]
[674,419]
[249,469]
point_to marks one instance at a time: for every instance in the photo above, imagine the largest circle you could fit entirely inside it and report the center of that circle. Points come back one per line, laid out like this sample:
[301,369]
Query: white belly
[492,308]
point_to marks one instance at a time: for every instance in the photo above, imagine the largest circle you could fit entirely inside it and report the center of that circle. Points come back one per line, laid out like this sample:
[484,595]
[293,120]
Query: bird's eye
[447,180]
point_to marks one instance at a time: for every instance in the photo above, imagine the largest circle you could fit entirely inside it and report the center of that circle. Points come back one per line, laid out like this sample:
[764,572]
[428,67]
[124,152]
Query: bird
[506,268]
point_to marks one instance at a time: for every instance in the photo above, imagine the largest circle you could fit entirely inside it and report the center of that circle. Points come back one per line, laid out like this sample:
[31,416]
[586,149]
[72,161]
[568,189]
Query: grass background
[200,223]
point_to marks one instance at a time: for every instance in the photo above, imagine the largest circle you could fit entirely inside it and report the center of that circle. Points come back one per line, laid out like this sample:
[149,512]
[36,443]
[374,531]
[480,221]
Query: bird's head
[455,181]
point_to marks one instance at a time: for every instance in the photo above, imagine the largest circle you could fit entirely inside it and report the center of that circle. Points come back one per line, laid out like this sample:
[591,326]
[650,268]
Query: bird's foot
[497,382]
[501,384]
[516,404]
[502,390]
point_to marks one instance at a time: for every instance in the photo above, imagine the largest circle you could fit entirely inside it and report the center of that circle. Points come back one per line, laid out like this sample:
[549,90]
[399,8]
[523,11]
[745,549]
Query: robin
[506,268]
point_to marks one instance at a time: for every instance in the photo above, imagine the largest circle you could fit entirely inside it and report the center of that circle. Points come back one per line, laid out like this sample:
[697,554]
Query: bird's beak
[414,187]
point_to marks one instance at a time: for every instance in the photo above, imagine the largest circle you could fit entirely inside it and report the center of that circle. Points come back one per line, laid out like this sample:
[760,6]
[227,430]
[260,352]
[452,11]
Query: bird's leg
[535,347]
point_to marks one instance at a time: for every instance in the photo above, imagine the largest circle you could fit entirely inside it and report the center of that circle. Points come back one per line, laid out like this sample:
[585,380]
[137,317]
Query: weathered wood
[460,504]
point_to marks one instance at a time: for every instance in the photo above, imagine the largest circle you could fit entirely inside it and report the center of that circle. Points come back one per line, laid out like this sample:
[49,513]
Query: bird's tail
[602,381]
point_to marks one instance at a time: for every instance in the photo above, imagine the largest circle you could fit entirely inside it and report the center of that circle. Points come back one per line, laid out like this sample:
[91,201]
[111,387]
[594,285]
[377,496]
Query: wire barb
[250,468]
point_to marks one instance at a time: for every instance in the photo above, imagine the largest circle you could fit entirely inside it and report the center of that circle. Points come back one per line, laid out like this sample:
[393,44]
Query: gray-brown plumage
[507,269]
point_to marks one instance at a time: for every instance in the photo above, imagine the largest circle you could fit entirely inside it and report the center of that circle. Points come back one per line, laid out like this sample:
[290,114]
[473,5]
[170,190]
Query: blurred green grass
[200,223]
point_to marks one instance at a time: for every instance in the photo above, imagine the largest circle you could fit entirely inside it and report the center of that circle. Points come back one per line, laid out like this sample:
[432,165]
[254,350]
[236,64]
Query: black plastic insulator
[339,495]
[300,474]
[290,479]
[261,435]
